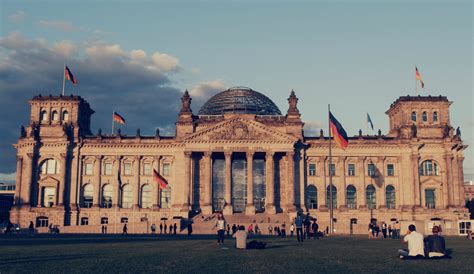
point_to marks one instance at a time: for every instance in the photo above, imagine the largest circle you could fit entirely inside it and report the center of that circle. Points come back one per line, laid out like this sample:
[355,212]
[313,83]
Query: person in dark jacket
[435,246]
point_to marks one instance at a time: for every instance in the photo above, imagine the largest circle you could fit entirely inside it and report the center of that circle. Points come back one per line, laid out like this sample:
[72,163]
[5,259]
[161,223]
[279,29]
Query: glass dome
[239,100]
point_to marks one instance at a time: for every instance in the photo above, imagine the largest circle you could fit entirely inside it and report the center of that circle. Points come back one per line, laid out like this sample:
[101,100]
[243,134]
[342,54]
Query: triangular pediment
[240,129]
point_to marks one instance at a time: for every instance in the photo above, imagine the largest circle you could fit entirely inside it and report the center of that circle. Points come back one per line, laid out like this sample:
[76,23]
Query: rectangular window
[84,221]
[390,170]
[312,169]
[351,171]
[332,170]
[108,169]
[88,169]
[146,169]
[430,198]
[371,170]
[166,169]
[127,169]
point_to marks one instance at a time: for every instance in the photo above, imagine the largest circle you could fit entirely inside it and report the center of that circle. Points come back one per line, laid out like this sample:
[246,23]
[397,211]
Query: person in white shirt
[415,244]
[220,224]
[240,238]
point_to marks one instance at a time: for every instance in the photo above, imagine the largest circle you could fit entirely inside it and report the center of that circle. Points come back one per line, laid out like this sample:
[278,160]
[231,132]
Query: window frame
[349,173]
[312,169]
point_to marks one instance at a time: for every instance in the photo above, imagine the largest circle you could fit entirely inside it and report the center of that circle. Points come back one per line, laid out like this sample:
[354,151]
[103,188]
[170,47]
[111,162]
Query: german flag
[338,132]
[118,118]
[69,76]
[418,77]
[159,179]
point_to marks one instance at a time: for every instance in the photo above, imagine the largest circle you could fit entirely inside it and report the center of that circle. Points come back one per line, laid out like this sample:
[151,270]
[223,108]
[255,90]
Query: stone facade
[241,163]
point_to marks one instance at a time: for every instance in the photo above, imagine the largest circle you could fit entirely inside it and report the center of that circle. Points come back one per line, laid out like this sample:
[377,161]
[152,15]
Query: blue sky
[359,56]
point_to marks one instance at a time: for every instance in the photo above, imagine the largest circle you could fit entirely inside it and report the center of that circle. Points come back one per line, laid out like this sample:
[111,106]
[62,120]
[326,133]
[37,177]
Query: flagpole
[64,78]
[331,210]
[366,124]
[113,112]
[416,84]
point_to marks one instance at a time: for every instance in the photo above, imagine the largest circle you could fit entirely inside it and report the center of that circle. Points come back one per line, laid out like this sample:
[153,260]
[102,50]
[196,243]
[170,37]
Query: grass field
[202,254]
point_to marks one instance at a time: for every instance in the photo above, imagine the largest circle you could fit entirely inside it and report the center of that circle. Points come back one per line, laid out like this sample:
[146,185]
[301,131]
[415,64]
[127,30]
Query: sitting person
[240,238]
[415,244]
[435,246]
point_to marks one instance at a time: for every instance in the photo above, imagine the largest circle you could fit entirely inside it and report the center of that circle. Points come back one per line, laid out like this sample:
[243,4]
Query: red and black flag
[69,76]
[162,183]
[118,118]
[338,132]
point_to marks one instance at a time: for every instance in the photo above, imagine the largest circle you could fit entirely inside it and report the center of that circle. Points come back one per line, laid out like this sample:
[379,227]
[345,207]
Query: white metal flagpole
[64,77]
[416,82]
[331,210]
[113,114]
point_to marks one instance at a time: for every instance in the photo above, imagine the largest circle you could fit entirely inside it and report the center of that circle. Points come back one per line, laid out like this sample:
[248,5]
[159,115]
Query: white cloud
[64,48]
[7,177]
[102,51]
[59,25]
[312,128]
[16,41]
[138,55]
[206,90]
[164,61]
[17,17]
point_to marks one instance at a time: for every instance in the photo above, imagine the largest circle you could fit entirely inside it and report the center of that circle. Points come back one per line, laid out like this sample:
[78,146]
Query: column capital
[30,155]
[188,153]
[207,154]
[269,154]
[118,157]
[228,153]
[362,158]
[290,153]
[98,157]
[19,157]
[250,152]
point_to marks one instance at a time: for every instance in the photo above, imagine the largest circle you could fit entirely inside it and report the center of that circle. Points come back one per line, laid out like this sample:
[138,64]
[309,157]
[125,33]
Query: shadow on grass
[42,259]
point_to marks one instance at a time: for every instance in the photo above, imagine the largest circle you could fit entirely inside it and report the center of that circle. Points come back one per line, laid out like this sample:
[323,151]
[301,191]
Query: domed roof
[240,100]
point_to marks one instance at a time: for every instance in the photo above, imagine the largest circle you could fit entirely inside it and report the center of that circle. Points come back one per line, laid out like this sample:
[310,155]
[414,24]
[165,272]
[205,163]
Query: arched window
[429,168]
[311,197]
[55,116]
[44,115]
[146,197]
[424,116]
[166,197]
[435,116]
[49,166]
[49,196]
[351,198]
[107,191]
[390,197]
[127,196]
[88,195]
[65,116]
[334,197]
[370,197]
[413,116]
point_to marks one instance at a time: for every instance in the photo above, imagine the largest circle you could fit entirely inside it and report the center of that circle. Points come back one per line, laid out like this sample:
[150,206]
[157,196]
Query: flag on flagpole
[159,179]
[118,118]
[69,76]
[370,121]
[338,132]
[418,77]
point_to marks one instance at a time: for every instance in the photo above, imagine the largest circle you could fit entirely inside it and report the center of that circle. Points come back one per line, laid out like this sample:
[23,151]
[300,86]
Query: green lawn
[201,254]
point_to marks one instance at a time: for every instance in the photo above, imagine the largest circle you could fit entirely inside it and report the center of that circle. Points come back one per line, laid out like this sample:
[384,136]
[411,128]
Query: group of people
[419,247]
[305,229]
[383,231]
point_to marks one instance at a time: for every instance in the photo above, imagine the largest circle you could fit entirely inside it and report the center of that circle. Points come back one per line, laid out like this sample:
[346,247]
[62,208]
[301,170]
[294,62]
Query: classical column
[206,206]
[136,181]
[341,172]
[155,185]
[250,208]
[321,171]
[97,184]
[28,188]
[445,185]
[18,183]
[361,202]
[228,185]
[380,182]
[187,180]
[416,180]
[456,183]
[269,183]
[62,183]
[461,180]
[290,207]
[117,185]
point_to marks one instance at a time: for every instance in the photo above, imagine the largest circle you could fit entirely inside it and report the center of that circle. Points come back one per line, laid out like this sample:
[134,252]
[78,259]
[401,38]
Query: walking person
[299,228]
[220,224]
[161,228]
[292,230]
[175,228]
[384,230]
[125,229]
[315,228]
[153,229]
[170,229]
[270,229]
[31,228]
[164,228]
[283,230]
[228,229]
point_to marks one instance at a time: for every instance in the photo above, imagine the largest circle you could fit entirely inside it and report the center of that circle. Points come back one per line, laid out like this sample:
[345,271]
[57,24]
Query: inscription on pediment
[238,131]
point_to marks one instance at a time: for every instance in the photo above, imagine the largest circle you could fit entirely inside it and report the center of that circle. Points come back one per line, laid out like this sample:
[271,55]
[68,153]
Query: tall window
[430,198]
[424,116]
[429,168]
[49,196]
[88,196]
[370,197]
[107,191]
[390,197]
[351,171]
[371,170]
[108,169]
[166,169]
[166,197]
[88,169]
[127,196]
[146,197]
[332,169]
[351,198]
[311,197]
[334,197]
[65,116]
[312,169]
[55,116]
[44,115]
[413,116]
[49,166]
[147,169]
[127,169]
[435,116]
[390,170]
